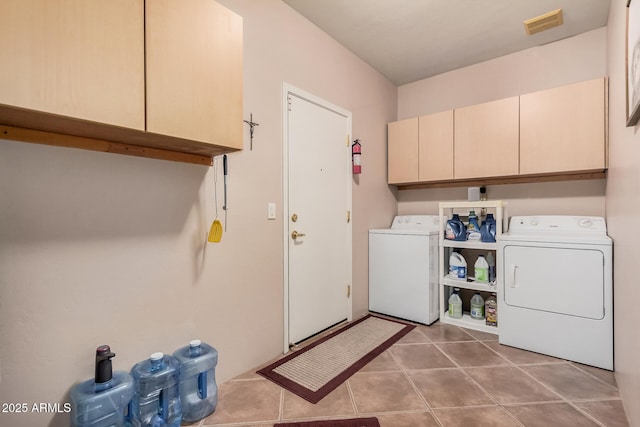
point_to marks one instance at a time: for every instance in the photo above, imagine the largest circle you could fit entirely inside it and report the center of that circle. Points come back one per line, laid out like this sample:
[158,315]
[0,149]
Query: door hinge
[348,216]
[289,102]
[348,291]
[348,140]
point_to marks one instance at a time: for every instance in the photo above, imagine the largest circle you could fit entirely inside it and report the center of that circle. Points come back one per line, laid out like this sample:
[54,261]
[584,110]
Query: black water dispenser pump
[103,364]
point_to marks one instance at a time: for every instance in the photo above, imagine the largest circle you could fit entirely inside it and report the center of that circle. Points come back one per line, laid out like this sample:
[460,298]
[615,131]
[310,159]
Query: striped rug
[318,369]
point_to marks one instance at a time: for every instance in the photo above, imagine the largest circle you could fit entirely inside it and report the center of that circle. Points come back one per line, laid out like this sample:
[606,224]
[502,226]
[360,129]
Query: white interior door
[318,203]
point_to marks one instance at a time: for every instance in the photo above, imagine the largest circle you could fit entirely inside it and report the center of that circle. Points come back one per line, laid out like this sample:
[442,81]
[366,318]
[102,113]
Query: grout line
[281,408]
[352,398]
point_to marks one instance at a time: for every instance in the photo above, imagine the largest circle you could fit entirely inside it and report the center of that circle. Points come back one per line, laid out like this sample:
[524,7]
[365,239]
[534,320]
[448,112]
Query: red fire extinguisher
[356,154]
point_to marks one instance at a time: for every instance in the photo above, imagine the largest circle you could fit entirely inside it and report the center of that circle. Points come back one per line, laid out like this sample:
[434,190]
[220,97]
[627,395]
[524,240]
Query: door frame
[288,89]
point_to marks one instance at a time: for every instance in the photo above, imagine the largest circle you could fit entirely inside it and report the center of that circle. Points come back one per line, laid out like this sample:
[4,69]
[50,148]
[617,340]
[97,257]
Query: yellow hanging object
[215,233]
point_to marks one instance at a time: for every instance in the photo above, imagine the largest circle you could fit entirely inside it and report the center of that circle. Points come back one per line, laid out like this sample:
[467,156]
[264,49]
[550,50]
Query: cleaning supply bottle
[491,311]
[156,399]
[455,304]
[481,270]
[477,306]
[455,229]
[488,229]
[473,229]
[492,267]
[104,400]
[198,389]
[457,266]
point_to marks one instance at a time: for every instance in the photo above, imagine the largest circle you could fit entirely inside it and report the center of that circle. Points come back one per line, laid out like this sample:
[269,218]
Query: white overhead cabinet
[486,140]
[81,59]
[564,129]
[160,78]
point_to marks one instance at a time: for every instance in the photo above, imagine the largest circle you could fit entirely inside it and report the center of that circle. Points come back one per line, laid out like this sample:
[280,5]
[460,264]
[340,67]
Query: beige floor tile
[384,362]
[521,357]
[420,356]
[336,403]
[246,401]
[383,392]
[492,416]
[602,374]
[550,414]
[414,336]
[608,412]
[510,385]
[471,354]
[445,388]
[481,336]
[571,382]
[441,332]
[413,419]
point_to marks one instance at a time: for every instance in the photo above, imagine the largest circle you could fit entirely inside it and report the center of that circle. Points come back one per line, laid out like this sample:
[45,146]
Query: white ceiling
[409,40]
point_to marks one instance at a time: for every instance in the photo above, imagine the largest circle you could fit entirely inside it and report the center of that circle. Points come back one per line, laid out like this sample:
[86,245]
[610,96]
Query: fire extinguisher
[356,157]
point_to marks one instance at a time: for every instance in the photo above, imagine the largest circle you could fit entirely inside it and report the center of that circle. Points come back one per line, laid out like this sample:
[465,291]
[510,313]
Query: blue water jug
[156,400]
[198,388]
[103,401]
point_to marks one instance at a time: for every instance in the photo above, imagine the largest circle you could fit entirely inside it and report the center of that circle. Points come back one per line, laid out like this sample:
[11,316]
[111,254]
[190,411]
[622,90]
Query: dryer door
[568,281]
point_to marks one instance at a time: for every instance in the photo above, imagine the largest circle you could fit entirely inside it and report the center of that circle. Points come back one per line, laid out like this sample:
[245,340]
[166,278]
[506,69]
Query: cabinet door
[563,129]
[194,71]
[77,58]
[486,140]
[402,149]
[435,146]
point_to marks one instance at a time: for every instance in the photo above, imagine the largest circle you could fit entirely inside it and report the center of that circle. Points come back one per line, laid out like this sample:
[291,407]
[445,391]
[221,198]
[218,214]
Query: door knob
[295,235]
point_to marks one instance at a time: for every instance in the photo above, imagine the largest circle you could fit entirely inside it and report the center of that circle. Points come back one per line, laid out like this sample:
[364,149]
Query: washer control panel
[557,224]
[416,222]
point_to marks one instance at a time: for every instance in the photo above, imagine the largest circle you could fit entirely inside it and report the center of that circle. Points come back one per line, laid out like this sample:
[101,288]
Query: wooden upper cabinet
[486,140]
[402,149]
[564,129]
[76,58]
[194,71]
[435,146]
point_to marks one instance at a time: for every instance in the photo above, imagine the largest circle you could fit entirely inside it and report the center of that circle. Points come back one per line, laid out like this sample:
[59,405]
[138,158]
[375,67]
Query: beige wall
[104,249]
[623,202]
[575,59]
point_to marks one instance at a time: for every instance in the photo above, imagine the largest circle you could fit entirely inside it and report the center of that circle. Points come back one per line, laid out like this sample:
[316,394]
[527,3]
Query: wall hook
[251,124]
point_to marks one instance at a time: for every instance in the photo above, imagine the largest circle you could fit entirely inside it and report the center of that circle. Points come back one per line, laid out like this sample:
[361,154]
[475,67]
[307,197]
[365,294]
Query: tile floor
[440,375]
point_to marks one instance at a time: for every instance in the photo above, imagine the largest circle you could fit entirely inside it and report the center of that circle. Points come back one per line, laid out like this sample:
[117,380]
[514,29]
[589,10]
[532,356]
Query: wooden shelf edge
[60,140]
[33,126]
[516,179]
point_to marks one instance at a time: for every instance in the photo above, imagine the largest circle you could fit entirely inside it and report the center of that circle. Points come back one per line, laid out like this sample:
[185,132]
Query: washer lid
[557,228]
[412,224]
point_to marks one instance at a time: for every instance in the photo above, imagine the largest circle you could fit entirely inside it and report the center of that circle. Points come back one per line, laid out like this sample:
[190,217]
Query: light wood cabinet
[564,129]
[486,140]
[402,151]
[435,146]
[76,58]
[194,71]
[421,149]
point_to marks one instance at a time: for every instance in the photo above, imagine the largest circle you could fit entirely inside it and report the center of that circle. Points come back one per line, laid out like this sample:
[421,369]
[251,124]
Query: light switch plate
[271,211]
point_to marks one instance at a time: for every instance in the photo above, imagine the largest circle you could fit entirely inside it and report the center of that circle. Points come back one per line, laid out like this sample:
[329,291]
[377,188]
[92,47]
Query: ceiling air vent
[543,22]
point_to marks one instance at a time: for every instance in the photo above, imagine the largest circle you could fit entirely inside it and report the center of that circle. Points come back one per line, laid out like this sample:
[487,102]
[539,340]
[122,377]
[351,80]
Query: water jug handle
[202,385]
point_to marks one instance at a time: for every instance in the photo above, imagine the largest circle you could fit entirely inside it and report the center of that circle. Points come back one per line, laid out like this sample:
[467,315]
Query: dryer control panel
[557,224]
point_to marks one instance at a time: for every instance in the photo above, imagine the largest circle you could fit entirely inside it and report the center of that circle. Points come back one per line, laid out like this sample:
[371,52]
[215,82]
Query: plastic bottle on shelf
[492,267]
[457,266]
[477,307]
[455,304]
[473,229]
[491,311]
[455,229]
[488,229]
[481,270]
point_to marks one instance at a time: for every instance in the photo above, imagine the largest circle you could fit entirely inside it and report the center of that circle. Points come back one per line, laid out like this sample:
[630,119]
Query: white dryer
[403,268]
[555,288]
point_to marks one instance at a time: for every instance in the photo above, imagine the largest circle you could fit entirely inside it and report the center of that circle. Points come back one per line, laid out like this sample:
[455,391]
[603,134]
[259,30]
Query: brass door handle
[295,235]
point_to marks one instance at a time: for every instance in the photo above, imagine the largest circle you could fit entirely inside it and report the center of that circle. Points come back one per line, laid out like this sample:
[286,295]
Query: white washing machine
[555,288]
[403,268]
